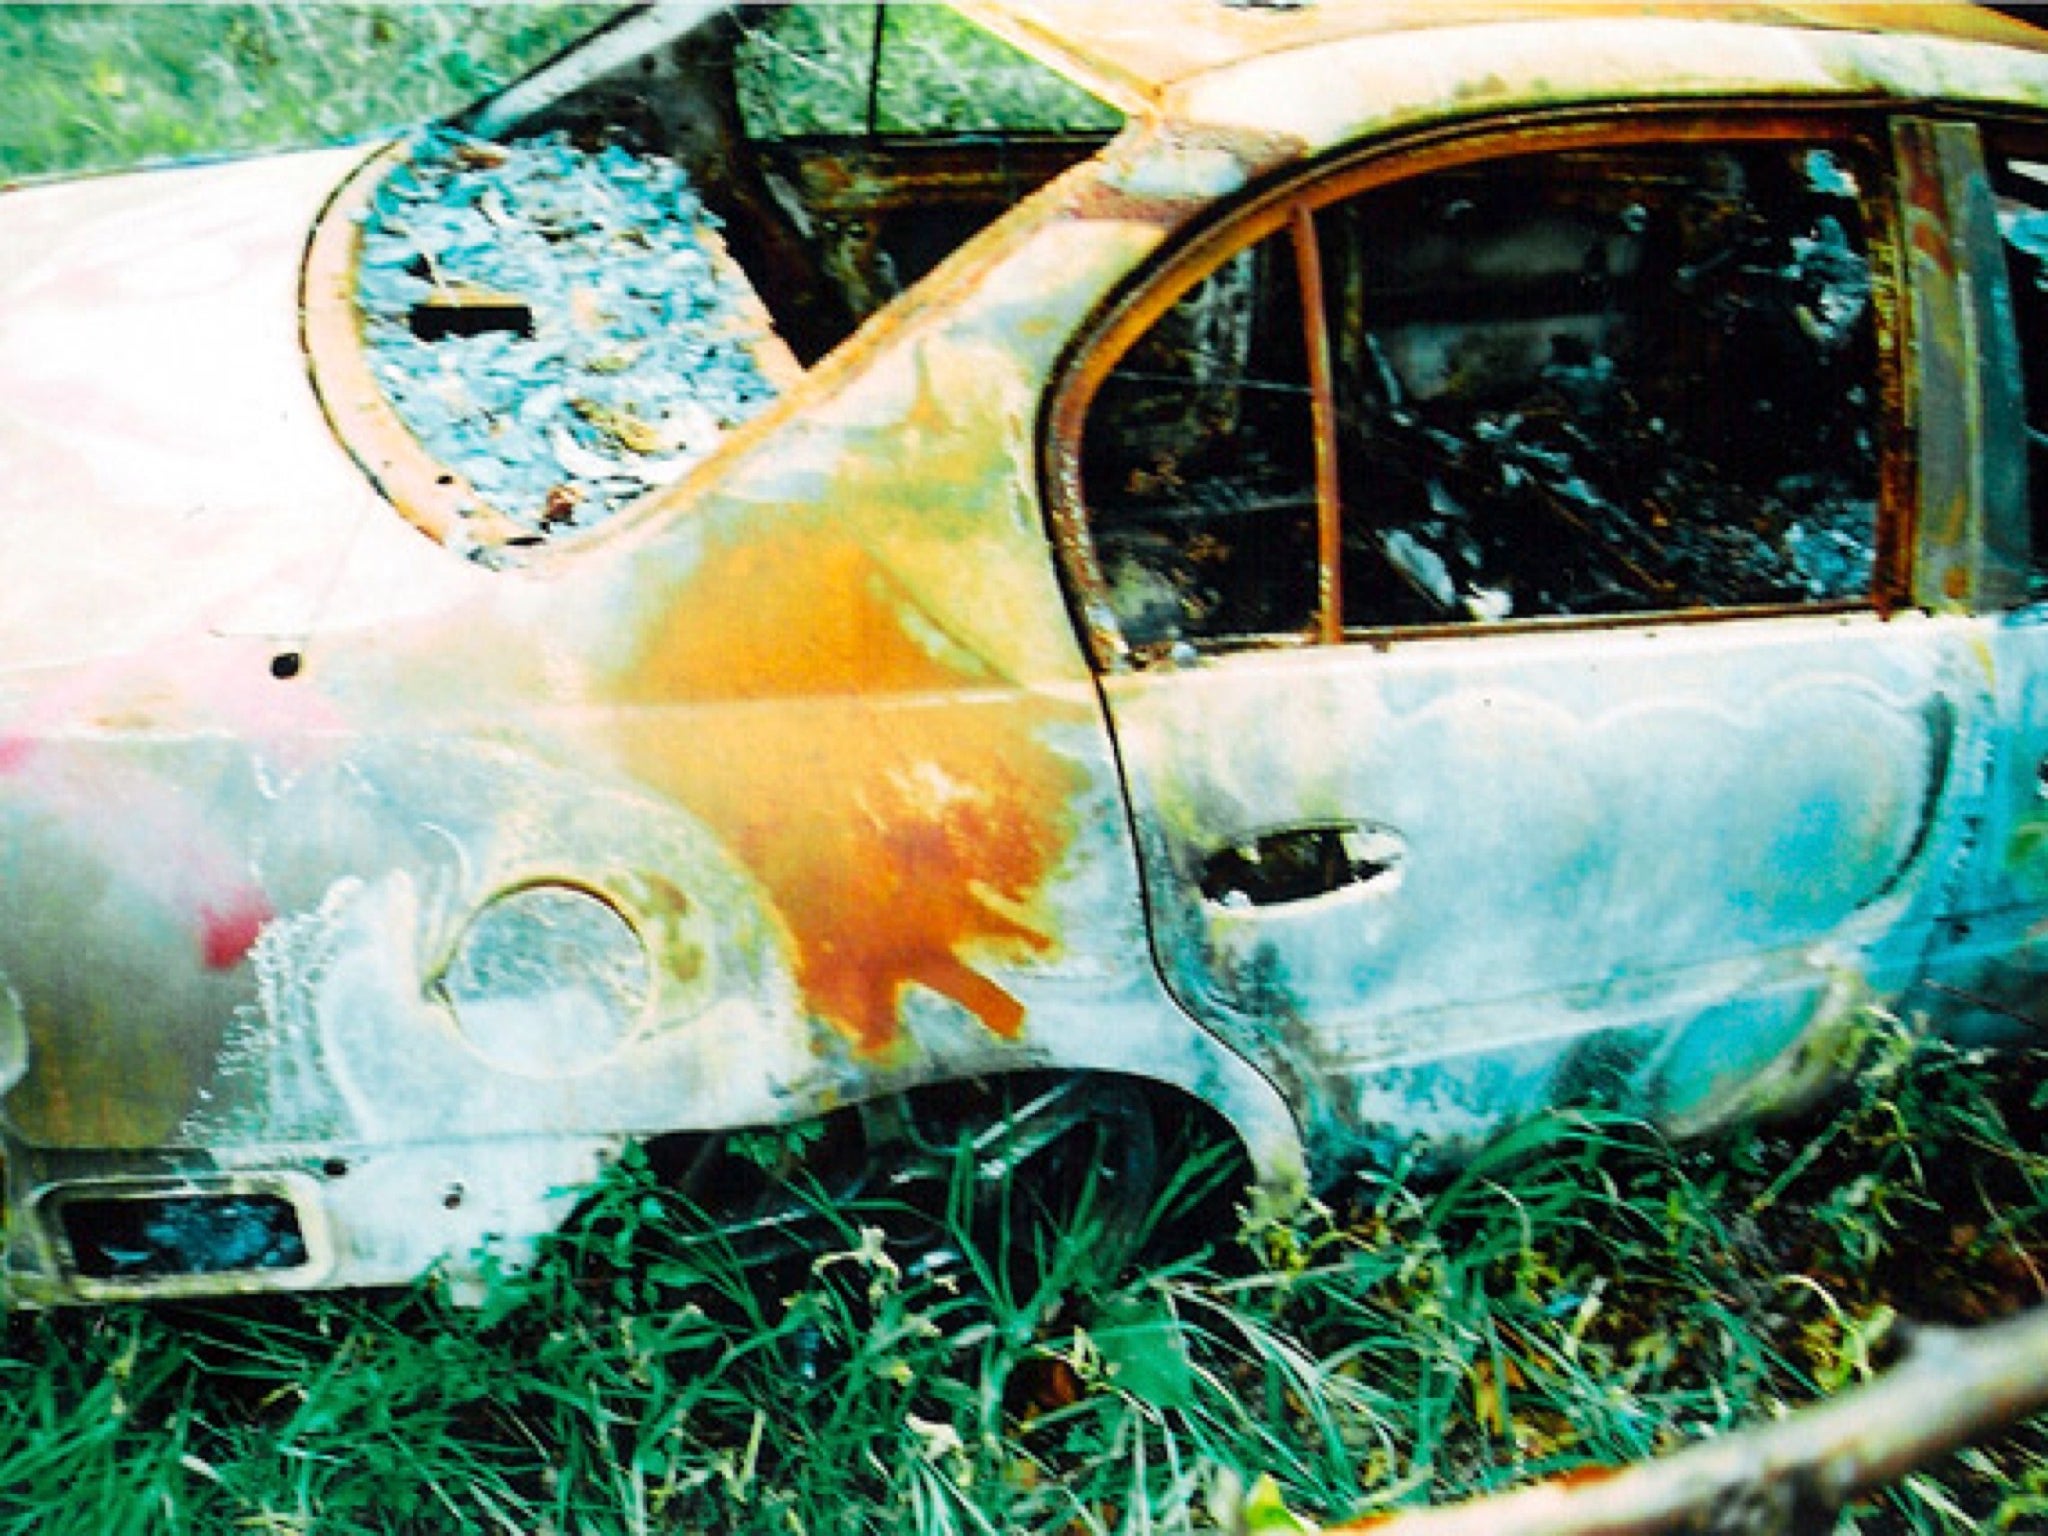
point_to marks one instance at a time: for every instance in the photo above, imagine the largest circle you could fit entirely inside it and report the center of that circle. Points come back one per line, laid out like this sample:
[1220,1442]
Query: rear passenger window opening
[1569,384]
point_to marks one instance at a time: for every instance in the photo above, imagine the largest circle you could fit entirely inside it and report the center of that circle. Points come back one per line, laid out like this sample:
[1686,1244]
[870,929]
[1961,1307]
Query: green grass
[1584,1294]
[91,86]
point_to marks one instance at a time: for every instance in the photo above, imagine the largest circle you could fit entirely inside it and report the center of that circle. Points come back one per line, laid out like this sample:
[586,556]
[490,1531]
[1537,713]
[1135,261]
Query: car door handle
[1285,865]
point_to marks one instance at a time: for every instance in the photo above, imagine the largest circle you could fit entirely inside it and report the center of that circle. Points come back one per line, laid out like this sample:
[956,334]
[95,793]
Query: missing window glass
[1606,382]
[1200,463]
[1617,380]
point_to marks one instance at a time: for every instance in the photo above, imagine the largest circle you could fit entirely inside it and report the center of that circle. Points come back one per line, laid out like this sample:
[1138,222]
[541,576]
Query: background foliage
[1585,1294]
[90,86]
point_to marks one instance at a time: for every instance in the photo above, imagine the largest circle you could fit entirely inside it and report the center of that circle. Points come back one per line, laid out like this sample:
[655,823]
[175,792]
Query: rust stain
[1255,152]
[901,811]
[1926,214]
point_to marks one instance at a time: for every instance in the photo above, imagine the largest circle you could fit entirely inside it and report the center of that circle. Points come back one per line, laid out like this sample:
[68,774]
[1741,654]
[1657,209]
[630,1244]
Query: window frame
[1289,208]
[2013,528]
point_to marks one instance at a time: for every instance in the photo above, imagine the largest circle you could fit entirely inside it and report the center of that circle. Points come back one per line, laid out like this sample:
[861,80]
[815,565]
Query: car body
[1423,563]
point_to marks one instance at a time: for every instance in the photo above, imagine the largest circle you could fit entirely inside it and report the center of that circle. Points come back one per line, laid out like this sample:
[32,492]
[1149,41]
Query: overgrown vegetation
[1586,1294]
[90,86]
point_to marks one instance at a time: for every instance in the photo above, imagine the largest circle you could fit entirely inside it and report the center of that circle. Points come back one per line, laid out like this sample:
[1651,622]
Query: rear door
[1490,554]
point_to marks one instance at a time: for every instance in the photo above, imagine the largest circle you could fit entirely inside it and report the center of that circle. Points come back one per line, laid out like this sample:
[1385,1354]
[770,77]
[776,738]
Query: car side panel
[1592,840]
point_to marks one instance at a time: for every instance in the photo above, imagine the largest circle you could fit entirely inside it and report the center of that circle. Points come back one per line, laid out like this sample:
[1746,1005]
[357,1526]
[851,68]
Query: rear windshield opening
[558,326]
[572,294]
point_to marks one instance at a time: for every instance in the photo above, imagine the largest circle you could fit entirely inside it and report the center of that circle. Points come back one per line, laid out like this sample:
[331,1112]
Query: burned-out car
[1021,568]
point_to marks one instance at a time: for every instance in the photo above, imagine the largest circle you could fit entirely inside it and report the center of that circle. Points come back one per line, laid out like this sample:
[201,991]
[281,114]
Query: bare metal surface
[1139,56]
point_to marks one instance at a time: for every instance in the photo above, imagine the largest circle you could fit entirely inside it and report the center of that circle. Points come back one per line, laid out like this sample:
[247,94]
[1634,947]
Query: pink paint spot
[14,751]
[228,933]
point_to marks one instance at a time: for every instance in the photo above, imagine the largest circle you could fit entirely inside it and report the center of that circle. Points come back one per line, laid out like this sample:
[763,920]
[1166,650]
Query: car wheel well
[1161,1169]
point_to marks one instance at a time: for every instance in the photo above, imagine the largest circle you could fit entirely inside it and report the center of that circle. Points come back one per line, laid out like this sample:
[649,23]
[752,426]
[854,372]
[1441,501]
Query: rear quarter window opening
[569,304]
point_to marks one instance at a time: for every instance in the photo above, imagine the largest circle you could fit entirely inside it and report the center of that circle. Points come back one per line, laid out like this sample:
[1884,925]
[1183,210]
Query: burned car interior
[1529,410]
[571,295]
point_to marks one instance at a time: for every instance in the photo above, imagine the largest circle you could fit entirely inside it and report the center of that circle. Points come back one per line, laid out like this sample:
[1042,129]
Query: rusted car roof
[1134,54]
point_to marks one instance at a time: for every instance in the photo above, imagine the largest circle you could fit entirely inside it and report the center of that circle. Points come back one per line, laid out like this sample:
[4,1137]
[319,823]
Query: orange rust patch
[902,812]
